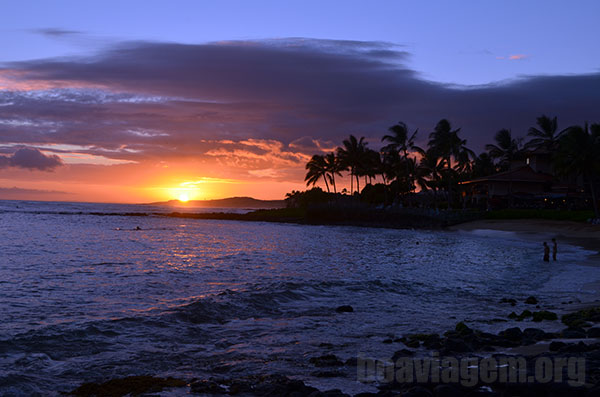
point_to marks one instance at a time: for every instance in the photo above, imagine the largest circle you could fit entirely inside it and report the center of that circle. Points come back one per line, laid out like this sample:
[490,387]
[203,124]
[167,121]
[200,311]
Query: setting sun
[184,197]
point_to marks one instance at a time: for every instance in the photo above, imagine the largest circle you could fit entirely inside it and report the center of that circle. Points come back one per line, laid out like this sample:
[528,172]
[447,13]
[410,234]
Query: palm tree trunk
[351,181]
[594,204]
[385,189]
[510,195]
[333,183]
[326,184]
[449,184]
[406,166]
[357,184]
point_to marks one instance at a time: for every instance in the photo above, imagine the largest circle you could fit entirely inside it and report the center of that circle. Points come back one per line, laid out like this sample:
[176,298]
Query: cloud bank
[259,105]
[32,159]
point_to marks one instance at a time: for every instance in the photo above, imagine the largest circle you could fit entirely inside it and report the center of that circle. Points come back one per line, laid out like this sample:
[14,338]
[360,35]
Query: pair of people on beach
[547,250]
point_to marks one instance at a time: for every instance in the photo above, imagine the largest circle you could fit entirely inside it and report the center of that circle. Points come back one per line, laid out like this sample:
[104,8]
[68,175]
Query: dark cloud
[30,158]
[54,32]
[145,100]
[17,191]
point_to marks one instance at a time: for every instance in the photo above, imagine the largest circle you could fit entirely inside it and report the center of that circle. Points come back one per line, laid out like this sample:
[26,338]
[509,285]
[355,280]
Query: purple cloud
[140,101]
[30,158]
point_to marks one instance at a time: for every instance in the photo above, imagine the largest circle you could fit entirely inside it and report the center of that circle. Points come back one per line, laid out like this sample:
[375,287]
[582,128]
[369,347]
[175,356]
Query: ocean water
[85,297]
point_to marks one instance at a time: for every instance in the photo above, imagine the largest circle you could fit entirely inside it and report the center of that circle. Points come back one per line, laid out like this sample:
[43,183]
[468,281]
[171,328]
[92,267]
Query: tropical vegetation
[400,168]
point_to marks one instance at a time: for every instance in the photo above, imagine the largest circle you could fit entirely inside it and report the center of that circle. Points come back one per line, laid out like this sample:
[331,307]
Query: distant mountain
[231,202]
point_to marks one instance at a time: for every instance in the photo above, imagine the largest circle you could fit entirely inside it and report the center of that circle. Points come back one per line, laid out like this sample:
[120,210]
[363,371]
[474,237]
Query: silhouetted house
[539,160]
[522,182]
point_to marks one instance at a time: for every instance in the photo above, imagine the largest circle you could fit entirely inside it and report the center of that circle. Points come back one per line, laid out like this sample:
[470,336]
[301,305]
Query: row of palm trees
[403,166]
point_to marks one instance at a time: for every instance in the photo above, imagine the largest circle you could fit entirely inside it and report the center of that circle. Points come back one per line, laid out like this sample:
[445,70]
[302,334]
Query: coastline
[583,235]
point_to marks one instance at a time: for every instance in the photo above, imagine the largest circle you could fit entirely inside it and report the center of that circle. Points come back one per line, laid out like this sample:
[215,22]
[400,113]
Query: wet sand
[576,233]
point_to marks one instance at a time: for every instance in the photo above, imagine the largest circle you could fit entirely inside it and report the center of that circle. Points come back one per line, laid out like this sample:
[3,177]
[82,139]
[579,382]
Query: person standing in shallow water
[554,249]
[546,252]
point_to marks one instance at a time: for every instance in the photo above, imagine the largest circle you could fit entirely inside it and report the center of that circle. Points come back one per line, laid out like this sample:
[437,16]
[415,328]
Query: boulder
[531,300]
[327,360]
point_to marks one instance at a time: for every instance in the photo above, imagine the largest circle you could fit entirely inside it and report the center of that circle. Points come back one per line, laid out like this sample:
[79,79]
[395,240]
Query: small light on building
[527,160]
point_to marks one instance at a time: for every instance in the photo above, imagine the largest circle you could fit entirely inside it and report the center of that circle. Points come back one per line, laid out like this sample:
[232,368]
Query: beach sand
[576,233]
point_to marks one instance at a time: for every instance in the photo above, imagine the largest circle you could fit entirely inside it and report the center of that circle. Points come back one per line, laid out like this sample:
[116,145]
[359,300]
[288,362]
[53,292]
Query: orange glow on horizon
[183,197]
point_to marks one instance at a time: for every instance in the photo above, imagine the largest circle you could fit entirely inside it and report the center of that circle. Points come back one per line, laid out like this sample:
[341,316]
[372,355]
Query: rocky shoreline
[362,216]
[576,348]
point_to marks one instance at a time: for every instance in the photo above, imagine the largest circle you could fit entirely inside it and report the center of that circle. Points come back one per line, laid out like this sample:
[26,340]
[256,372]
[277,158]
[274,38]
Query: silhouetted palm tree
[317,169]
[447,144]
[389,161]
[401,141]
[370,164]
[428,173]
[545,137]
[579,153]
[483,165]
[506,150]
[332,167]
[351,155]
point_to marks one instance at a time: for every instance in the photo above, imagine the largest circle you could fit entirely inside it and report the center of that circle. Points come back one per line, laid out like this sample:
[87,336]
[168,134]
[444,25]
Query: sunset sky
[139,101]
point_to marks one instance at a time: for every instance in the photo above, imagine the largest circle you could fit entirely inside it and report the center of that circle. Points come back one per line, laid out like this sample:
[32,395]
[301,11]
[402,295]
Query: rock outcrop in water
[131,385]
[460,342]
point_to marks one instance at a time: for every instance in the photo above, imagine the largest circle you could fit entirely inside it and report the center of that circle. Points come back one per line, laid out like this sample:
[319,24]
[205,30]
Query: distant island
[230,202]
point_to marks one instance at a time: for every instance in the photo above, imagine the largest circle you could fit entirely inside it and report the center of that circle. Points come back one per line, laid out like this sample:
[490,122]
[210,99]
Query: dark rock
[482,393]
[462,329]
[593,332]
[432,342]
[536,334]
[573,333]
[327,374]
[542,390]
[544,315]
[513,302]
[351,362]
[134,385]
[531,300]
[240,386]
[556,346]
[455,345]
[327,360]
[279,385]
[579,324]
[520,317]
[577,348]
[402,353]
[326,345]
[446,391]
[344,309]
[581,316]
[207,387]
[417,391]
[412,343]
[328,393]
[512,334]
[388,341]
